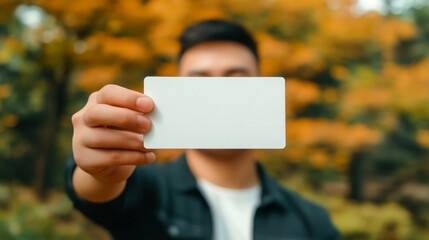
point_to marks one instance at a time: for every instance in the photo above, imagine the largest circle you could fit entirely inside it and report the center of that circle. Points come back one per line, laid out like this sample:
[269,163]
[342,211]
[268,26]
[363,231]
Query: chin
[224,153]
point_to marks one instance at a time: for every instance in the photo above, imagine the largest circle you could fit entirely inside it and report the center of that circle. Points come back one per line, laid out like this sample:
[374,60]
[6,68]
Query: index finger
[122,97]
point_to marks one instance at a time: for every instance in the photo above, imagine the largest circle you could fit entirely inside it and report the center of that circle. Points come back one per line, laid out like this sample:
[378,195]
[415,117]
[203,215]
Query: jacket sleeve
[322,224]
[139,189]
[335,235]
[331,231]
[318,218]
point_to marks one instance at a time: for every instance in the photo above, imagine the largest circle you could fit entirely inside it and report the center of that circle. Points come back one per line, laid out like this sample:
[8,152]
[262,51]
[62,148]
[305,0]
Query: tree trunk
[48,137]
[56,104]
[356,177]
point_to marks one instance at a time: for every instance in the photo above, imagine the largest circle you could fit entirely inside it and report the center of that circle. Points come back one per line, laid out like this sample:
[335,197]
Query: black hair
[216,30]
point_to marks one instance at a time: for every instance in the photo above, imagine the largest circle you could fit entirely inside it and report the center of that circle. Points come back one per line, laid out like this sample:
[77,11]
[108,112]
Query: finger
[113,139]
[100,158]
[105,115]
[76,118]
[122,97]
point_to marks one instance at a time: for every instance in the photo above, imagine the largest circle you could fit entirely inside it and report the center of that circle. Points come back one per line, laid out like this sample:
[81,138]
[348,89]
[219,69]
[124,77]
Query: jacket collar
[185,181]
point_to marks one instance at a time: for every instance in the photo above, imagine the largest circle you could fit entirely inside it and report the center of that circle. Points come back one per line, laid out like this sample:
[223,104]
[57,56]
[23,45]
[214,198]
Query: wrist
[93,189]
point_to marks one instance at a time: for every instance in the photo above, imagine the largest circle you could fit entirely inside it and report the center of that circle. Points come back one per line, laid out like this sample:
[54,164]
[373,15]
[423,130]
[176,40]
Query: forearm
[90,189]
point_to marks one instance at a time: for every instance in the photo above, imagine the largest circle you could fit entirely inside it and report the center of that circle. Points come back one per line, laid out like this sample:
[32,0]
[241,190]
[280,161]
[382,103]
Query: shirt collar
[271,191]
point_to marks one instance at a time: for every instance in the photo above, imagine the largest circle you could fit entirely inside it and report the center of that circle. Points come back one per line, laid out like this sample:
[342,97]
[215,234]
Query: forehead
[217,58]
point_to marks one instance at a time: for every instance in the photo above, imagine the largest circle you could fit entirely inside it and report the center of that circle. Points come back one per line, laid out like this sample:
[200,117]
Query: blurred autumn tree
[357,83]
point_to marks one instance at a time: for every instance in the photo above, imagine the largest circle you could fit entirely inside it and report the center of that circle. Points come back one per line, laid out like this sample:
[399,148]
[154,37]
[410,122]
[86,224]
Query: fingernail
[143,122]
[142,103]
[150,157]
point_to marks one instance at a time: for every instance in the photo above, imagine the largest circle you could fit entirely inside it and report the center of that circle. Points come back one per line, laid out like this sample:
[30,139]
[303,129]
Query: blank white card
[216,113]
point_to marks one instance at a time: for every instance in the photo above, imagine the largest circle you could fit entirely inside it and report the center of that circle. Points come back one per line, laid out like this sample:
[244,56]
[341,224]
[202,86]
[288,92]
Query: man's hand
[108,138]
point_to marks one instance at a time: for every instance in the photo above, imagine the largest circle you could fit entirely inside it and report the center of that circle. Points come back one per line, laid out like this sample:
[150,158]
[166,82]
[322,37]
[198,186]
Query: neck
[224,168]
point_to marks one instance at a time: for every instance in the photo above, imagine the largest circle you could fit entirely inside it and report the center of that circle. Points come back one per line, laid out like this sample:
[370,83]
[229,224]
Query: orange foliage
[423,138]
[325,143]
[330,95]
[360,99]
[122,49]
[304,59]
[342,28]
[75,13]
[168,69]
[7,8]
[273,53]
[302,6]
[299,94]
[93,78]
[243,7]
[344,35]
[341,159]
[409,87]
[209,13]
[339,72]
[291,18]
[388,91]
[11,46]
[319,158]
[133,11]
[392,30]
[84,8]
[164,41]
[127,39]
[10,120]
[170,10]
[5,91]
[311,132]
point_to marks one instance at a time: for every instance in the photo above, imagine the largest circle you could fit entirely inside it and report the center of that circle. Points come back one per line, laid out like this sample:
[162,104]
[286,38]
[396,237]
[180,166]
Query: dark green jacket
[164,202]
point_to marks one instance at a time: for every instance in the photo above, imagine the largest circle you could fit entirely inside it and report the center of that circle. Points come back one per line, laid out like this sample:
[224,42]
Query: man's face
[219,59]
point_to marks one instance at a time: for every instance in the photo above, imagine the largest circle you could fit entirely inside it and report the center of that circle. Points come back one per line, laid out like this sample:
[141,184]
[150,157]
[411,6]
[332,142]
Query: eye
[238,74]
[199,74]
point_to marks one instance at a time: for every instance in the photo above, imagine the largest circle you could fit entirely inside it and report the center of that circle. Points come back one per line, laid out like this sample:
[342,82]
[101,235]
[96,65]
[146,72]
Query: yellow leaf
[5,91]
[423,138]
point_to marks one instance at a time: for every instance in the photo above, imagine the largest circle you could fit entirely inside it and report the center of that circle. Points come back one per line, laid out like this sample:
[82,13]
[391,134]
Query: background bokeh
[357,101]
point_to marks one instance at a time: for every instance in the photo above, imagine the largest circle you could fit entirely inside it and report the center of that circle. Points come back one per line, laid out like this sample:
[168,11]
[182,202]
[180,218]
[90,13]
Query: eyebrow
[229,72]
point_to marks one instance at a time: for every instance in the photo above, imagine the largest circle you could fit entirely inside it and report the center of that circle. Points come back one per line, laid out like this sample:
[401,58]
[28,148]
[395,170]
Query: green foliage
[24,217]
[362,220]
[370,221]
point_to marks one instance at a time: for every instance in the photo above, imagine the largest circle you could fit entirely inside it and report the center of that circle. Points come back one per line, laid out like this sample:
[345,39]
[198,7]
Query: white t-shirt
[232,210]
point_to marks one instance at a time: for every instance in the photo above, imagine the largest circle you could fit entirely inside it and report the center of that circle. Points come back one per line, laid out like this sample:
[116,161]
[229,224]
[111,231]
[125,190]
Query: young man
[206,194]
